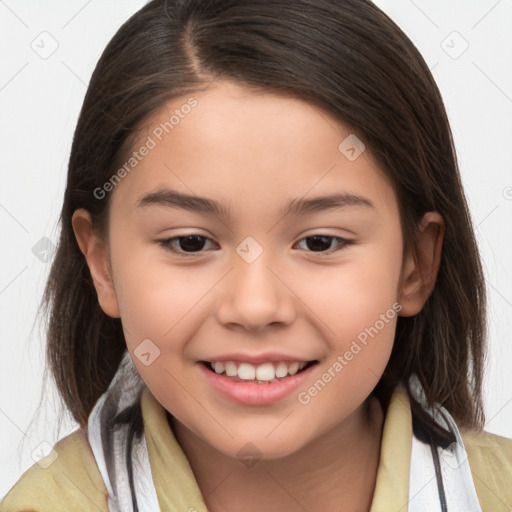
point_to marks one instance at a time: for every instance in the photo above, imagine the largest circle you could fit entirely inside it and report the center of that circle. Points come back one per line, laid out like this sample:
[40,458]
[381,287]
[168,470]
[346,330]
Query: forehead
[247,149]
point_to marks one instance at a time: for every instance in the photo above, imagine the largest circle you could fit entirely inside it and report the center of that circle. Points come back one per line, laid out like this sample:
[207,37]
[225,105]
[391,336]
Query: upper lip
[257,358]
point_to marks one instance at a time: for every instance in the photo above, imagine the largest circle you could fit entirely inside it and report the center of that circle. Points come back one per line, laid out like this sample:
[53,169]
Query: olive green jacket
[72,482]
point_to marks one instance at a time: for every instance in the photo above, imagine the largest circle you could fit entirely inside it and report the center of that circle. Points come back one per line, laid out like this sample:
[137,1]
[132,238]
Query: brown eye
[189,244]
[323,243]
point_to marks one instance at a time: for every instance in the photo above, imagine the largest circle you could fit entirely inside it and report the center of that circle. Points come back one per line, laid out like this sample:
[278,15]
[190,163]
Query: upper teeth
[265,371]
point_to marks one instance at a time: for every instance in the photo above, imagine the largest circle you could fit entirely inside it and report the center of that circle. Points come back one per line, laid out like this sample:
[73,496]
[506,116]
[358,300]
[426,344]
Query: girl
[267,293]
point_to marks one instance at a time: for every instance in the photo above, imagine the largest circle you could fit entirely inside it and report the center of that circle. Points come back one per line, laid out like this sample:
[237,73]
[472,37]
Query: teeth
[293,368]
[231,369]
[246,371]
[266,372]
[282,370]
[218,367]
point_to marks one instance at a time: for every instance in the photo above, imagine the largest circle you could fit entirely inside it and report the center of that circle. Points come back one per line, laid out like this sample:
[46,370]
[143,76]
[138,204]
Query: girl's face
[295,255]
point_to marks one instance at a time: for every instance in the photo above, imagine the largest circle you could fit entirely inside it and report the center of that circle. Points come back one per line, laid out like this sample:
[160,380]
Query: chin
[251,450]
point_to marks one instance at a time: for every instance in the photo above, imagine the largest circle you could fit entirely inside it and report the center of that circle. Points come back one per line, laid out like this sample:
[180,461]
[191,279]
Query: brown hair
[349,58]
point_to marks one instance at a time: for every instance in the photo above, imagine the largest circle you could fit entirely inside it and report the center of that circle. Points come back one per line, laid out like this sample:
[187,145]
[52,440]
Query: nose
[254,296]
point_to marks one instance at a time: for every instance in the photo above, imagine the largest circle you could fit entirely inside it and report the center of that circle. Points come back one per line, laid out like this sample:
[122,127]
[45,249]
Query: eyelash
[166,244]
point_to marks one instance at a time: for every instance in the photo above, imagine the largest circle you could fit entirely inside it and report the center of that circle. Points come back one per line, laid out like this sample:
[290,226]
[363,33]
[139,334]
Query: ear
[421,266]
[96,255]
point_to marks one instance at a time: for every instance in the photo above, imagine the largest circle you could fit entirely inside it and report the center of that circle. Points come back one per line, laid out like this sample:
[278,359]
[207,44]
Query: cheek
[155,299]
[158,305]
[358,322]
[353,295]
[357,310]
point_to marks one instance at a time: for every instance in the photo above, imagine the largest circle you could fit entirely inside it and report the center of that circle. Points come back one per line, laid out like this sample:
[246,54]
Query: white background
[40,99]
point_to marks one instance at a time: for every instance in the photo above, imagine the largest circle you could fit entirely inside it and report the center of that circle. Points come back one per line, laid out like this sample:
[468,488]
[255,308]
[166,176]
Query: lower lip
[252,393]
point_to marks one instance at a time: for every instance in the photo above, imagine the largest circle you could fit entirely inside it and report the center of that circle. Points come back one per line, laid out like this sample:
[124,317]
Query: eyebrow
[298,206]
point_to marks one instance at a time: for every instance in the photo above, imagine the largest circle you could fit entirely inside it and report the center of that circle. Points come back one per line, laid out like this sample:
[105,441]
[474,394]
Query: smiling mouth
[265,373]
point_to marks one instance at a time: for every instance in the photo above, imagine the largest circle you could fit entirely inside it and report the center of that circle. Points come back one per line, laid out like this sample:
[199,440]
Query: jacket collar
[177,489]
[409,477]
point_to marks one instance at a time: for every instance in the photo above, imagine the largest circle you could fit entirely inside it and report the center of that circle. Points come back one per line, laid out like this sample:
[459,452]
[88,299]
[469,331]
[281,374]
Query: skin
[253,152]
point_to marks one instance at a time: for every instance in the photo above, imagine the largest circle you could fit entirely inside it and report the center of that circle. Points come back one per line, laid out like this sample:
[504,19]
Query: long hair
[345,56]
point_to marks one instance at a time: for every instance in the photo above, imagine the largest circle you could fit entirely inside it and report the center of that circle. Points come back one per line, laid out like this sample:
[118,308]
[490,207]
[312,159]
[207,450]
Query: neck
[337,468]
